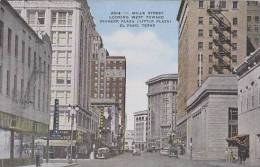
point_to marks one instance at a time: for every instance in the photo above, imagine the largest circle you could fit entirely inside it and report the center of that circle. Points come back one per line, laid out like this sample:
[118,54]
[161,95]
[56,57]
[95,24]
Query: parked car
[173,152]
[164,151]
[136,151]
[103,153]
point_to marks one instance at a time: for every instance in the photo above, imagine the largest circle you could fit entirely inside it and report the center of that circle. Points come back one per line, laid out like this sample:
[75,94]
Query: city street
[145,160]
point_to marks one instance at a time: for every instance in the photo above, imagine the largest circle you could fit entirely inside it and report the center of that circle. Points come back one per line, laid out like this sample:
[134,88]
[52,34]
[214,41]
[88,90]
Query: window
[16,46]
[60,77]
[62,38]
[23,51]
[256,28]
[222,4]
[210,58]
[54,37]
[200,57]
[31,17]
[232,122]
[210,45]
[200,3]
[235,4]
[69,58]
[200,45]
[41,17]
[200,33]
[234,46]
[248,28]
[234,59]
[200,70]
[234,33]
[69,38]
[210,20]
[61,58]
[15,87]
[70,18]
[9,40]
[212,4]
[210,70]
[53,18]
[1,33]
[29,57]
[248,18]
[200,20]
[235,21]
[257,19]
[68,77]
[62,18]
[210,33]
[22,87]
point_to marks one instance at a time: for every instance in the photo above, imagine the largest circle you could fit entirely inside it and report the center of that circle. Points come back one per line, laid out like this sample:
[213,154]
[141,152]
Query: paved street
[145,160]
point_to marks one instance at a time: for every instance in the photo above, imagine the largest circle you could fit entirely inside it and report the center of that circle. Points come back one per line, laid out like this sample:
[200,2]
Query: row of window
[61,58]
[201,33]
[63,96]
[210,60]
[61,77]
[201,21]
[200,46]
[251,28]
[220,4]
[256,18]
[61,37]
[37,17]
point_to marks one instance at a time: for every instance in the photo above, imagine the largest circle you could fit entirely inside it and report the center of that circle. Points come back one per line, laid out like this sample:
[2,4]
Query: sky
[149,51]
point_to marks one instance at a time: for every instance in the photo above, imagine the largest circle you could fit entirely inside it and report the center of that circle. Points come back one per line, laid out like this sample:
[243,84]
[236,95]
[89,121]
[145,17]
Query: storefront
[20,139]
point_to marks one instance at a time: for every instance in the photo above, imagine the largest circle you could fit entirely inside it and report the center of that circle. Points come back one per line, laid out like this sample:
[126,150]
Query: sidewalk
[224,164]
[54,165]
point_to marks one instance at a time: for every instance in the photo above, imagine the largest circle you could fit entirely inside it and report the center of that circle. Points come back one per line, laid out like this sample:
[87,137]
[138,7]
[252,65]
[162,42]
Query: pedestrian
[226,155]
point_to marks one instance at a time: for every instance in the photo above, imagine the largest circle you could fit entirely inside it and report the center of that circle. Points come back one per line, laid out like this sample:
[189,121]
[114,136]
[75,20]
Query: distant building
[140,130]
[108,78]
[212,117]
[249,104]
[107,110]
[253,22]
[70,26]
[161,94]
[25,71]
[129,140]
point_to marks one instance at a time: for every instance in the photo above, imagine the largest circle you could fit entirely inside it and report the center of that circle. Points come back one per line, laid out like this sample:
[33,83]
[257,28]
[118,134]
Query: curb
[71,165]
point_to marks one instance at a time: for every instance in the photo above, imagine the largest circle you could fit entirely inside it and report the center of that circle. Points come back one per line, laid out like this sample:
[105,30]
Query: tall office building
[162,91]
[108,79]
[140,130]
[218,45]
[25,71]
[70,25]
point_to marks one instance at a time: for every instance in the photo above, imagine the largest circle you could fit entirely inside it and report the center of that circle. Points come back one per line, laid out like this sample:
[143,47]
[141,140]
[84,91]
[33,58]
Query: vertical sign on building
[56,117]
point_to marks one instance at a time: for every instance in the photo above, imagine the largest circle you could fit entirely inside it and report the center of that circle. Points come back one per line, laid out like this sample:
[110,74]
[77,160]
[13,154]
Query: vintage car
[136,151]
[103,153]
[164,151]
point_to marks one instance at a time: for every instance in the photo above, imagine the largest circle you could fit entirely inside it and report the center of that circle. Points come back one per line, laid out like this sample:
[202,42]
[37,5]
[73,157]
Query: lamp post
[72,112]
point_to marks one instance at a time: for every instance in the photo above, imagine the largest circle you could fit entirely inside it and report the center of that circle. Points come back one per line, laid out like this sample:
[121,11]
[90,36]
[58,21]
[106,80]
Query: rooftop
[162,77]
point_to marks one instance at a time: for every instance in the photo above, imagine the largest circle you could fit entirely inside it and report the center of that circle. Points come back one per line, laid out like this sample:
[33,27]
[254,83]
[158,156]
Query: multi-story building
[253,22]
[25,70]
[217,47]
[162,92]
[129,140]
[70,25]
[249,104]
[140,130]
[108,78]
[212,117]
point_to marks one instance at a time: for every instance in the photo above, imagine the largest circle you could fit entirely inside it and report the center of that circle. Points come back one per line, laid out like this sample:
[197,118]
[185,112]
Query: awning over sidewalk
[238,140]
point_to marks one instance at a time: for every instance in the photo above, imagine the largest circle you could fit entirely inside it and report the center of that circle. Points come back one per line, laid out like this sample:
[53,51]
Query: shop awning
[238,140]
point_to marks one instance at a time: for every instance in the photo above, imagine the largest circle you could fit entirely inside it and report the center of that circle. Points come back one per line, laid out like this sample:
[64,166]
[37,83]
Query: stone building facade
[249,104]
[212,117]
[25,71]
[218,46]
[70,25]
[129,140]
[161,94]
[140,130]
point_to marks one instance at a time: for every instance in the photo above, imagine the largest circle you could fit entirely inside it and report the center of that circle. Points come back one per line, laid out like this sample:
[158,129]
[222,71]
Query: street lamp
[72,112]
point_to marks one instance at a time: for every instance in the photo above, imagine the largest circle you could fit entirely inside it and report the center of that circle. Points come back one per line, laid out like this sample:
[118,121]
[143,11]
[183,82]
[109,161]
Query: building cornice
[161,78]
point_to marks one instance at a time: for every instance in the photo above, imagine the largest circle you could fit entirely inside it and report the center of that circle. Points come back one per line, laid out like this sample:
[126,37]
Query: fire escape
[222,41]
